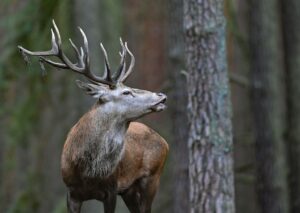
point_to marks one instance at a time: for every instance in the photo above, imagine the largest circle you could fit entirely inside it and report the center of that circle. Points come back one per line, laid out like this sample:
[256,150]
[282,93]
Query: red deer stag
[105,153]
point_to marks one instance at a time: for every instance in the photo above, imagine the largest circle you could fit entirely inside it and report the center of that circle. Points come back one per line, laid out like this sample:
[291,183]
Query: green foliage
[29,198]
[30,27]
[25,202]
[61,206]
[22,88]
[24,115]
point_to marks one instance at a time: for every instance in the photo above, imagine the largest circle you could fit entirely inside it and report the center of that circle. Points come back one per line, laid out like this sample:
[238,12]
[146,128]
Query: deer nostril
[160,94]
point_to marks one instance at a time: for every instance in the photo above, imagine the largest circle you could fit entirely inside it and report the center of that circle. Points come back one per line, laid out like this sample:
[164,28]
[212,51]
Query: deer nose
[161,95]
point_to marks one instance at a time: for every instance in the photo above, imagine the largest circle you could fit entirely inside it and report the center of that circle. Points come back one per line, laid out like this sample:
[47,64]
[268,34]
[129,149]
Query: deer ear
[91,89]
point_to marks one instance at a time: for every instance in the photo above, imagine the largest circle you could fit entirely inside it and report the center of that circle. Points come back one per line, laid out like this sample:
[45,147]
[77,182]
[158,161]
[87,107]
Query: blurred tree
[209,115]
[268,105]
[291,17]
[96,17]
[27,122]
[145,30]
[178,108]
[237,12]
[87,15]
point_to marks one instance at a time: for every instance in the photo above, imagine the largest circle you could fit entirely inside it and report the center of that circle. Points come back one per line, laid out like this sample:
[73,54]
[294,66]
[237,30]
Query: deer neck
[112,125]
[106,141]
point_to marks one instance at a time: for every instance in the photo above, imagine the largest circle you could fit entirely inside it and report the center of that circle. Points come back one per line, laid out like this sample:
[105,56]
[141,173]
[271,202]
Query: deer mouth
[159,106]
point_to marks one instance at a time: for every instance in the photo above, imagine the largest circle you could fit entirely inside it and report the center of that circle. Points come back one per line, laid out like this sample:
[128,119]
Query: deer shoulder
[144,155]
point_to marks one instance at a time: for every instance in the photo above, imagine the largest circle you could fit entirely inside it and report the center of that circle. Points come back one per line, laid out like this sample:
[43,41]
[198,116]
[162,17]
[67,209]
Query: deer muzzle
[160,105]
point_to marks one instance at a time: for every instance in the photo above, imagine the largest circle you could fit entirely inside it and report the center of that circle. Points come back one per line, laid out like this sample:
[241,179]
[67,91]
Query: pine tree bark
[178,111]
[209,115]
[291,17]
[268,105]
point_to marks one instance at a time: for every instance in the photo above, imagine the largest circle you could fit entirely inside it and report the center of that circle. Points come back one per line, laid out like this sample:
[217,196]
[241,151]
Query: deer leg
[131,199]
[148,188]
[110,204]
[139,197]
[73,205]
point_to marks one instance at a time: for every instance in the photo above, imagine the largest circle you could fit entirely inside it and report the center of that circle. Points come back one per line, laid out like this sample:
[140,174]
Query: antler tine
[86,47]
[55,51]
[132,62]
[82,66]
[57,34]
[121,71]
[44,53]
[107,72]
[123,50]
[78,56]
[53,63]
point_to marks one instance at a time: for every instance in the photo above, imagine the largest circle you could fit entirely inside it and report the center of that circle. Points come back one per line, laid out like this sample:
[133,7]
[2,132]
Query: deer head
[127,102]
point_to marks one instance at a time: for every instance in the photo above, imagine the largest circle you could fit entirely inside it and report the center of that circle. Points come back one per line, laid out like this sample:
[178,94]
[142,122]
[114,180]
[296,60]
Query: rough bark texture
[266,65]
[178,108]
[291,17]
[209,115]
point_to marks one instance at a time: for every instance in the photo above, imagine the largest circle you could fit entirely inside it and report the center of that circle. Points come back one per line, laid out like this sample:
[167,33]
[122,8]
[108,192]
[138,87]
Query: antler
[82,55]
[81,67]
[132,62]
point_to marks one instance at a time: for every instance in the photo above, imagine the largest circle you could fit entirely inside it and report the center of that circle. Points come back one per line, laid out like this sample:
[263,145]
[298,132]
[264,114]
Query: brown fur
[145,154]
[103,156]
[136,177]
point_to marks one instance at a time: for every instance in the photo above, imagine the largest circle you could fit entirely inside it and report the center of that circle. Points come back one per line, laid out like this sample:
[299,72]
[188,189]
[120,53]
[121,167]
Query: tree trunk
[268,105]
[209,115]
[102,22]
[243,131]
[179,117]
[87,15]
[291,17]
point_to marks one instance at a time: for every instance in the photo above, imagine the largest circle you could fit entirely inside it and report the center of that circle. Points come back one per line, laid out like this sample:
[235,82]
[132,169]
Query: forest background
[36,112]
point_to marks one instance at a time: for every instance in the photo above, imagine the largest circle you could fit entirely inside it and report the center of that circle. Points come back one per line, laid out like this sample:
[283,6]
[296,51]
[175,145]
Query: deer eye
[127,92]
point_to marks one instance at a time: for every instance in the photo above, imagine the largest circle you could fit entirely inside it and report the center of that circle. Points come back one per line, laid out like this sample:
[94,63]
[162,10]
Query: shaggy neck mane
[100,140]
